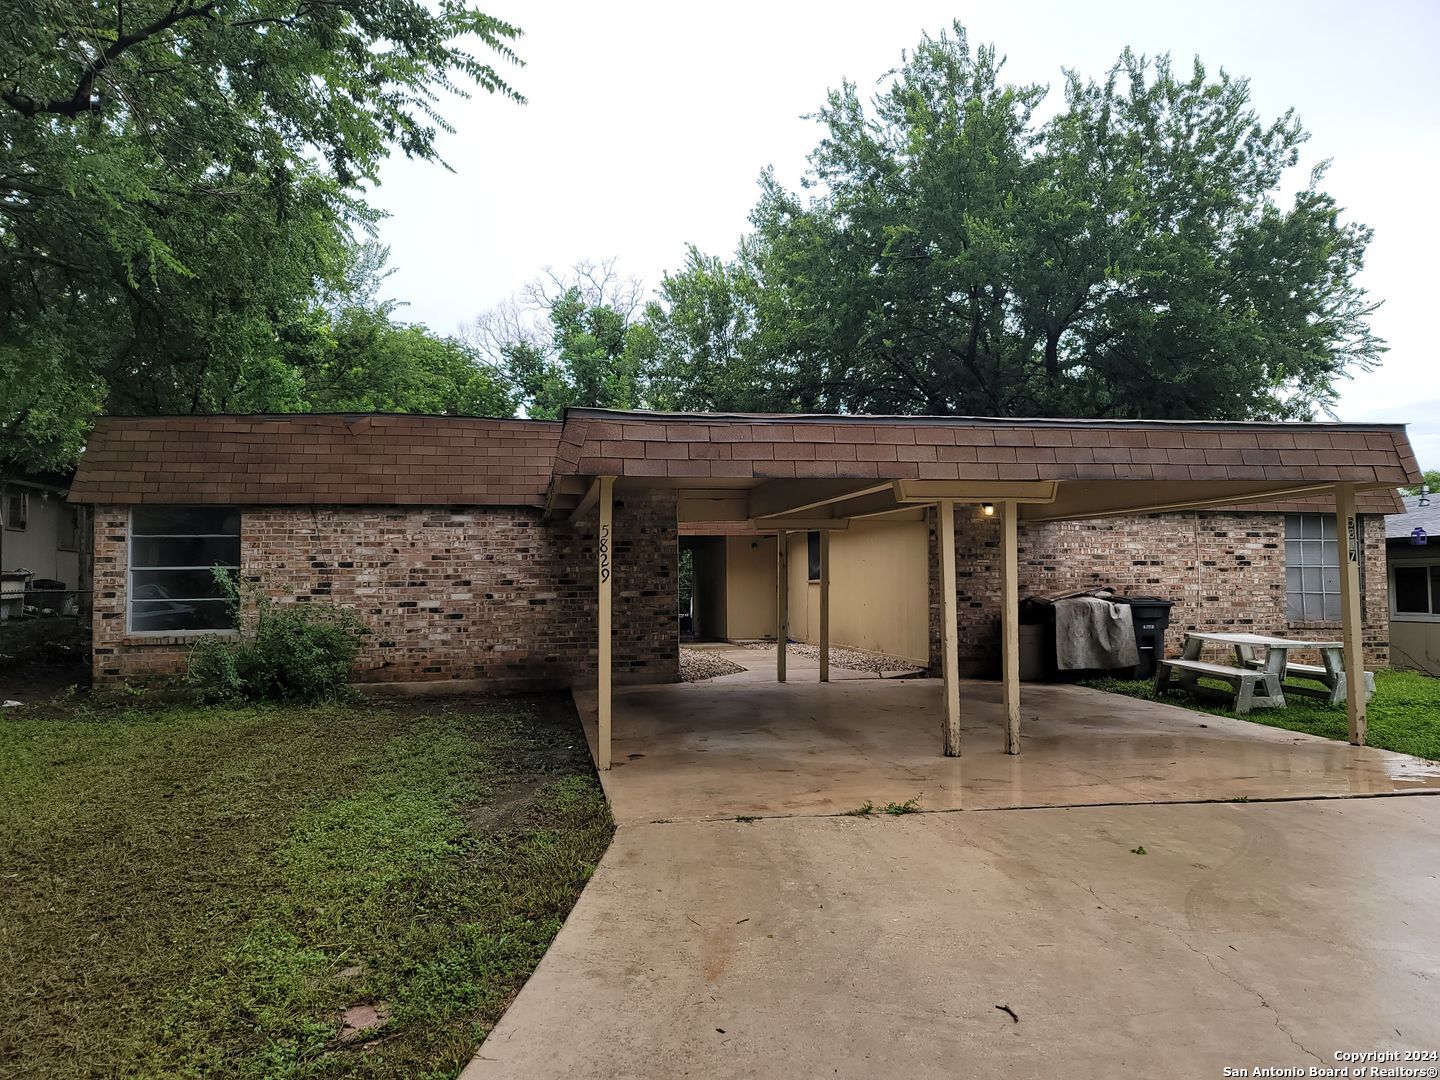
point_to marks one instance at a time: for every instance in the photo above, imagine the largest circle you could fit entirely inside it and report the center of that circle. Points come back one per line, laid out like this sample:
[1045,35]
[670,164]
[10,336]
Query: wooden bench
[1251,687]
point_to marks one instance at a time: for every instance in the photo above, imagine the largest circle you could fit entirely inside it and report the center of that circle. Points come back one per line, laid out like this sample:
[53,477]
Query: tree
[347,352]
[570,339]
[1431,482]
[1128,258]
[377,365]
[177,179]
[710,353]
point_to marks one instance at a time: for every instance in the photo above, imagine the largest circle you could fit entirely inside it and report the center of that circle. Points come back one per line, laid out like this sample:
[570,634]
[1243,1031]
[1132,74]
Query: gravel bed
[697,665]
[850,659]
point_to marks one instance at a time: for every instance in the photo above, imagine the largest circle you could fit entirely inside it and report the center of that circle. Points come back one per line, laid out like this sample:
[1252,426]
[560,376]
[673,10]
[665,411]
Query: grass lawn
[201,892]
[1403,715]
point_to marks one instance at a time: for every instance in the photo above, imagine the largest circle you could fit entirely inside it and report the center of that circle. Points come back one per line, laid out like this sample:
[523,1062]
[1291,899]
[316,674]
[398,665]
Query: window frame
[1321,539]
[24,497]
[70,536]
[131,570]
[1428,564]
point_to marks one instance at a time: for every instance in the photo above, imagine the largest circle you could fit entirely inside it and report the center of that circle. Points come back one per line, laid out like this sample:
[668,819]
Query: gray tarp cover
[1092,633]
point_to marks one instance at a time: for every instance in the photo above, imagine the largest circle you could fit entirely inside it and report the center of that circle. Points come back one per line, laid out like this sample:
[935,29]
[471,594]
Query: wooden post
[949,632]
[603,556]
[824,605]
[1010,623]
[1351,612]
[782,602]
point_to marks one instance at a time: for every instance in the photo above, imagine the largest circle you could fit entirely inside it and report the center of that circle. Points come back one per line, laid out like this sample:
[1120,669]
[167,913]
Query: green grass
[202,892]
[909,806]
[1404,714]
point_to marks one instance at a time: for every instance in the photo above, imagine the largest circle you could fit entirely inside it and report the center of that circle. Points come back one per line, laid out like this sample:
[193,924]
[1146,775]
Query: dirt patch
[505,809]
[40,658]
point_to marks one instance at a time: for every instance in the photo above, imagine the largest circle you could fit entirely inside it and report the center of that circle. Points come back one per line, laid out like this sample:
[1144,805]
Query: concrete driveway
[1257,934]
[745,745]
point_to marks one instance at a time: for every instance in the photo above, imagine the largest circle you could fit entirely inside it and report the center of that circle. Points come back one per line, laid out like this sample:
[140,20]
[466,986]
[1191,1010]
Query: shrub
[284,652]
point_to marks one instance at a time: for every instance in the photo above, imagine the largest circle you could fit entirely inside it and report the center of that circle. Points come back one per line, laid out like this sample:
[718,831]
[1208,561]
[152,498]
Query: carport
[821,473]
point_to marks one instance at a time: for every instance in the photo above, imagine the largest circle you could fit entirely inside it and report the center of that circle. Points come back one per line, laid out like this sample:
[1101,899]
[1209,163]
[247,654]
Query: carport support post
[1347,526]
[1010,623]
[949,632]
[782,602]
[603,548]
[824,605]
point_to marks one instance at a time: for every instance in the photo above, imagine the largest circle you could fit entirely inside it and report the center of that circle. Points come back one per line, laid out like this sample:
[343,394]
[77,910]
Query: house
[1412,549]
[40,540]
[516,553]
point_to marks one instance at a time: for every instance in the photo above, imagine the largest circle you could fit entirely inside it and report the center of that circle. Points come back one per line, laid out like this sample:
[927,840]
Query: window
[17,510]
[173,550]
[1416,590]
[69,528]
[813,543]
[1312,568]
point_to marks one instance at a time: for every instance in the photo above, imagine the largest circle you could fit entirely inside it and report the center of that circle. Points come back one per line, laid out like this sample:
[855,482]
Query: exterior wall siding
[1225,570]
[486,594]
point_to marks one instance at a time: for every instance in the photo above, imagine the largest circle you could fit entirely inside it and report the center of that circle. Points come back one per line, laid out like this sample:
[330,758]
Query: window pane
[1310,579]
[1295,607]
[1292,526]
[1314,607]
[148,616]
[1435,590]
[1332,608]
[185,551]
[183,520]
[1327,525]
[1310,526]
[1411,594]
[1330,580]
[1330,553]
[174,585]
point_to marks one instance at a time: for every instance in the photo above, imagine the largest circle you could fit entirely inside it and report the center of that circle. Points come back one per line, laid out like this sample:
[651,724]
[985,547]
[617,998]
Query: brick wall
[977,592]
[449,593]
[1225,570]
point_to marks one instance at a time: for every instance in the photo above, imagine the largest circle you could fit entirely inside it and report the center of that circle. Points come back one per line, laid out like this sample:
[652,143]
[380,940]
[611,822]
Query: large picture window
[173,553]
[1312,568]
[1416,590]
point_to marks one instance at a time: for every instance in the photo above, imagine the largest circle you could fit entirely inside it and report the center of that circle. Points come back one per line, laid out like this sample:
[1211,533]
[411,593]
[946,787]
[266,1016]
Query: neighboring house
[478,551]
[1412,542]
[40,533]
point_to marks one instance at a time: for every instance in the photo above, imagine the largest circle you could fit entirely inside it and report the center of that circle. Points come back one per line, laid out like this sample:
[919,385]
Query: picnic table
[1256,680]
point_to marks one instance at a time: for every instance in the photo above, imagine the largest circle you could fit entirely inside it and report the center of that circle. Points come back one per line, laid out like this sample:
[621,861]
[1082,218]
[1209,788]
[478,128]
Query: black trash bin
[1151,616]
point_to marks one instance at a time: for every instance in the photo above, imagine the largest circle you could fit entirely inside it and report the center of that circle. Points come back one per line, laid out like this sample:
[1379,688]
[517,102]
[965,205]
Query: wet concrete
[745,745]
[1261,934]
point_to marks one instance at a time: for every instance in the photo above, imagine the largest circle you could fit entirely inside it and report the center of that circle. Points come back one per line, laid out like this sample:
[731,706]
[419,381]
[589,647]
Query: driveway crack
[1210,962]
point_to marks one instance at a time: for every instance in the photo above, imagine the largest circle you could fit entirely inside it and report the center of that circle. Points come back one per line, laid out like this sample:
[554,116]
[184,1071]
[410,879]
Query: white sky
[648,124]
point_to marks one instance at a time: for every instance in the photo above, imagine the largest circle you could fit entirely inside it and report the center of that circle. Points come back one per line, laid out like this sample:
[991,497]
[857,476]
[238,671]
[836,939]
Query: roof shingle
[318,459]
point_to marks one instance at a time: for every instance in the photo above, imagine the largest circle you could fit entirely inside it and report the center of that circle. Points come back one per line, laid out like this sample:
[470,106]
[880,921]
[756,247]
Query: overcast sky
[648,124]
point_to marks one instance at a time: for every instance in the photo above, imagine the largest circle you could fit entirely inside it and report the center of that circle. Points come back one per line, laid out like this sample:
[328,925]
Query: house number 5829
[605,553]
